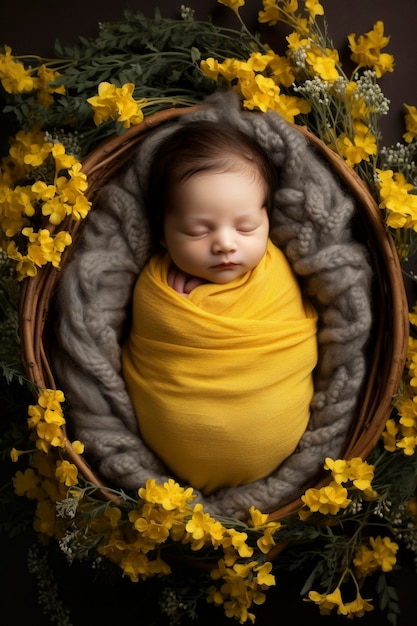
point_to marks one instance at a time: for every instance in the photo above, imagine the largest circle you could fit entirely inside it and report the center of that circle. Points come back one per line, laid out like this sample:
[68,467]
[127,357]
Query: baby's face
[217,226]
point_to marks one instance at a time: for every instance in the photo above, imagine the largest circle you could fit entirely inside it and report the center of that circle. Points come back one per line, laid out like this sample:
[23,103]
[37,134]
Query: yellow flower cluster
[381,555]
[50,476]
[41,483]
[366,50]
[242,585]
[309,74]
[46,419]
[275,11]
[401,434]
[330,499]
[164,515]
[258,80]
[116,103]
[397,198]
[16,78]
[329,601]
[37,161]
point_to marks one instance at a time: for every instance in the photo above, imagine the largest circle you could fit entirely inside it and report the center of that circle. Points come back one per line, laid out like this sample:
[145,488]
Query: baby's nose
[224,241]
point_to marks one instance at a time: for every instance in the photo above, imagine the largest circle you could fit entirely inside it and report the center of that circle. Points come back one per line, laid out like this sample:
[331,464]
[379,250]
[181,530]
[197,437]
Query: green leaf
[195,54]
[388,599]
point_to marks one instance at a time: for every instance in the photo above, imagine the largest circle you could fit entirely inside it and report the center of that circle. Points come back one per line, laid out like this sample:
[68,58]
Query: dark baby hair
[202,147]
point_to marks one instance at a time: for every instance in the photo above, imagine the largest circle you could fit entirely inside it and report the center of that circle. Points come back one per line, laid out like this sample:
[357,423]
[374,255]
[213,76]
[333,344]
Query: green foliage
[388,599]
[158,55]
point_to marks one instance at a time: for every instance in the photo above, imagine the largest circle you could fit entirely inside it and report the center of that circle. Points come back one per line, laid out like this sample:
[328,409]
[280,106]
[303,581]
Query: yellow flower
[258,62]
[360,148]
[394,193]
[267,541]
[150,528]
[63,161]
[328,601]
[70,199]
[263,93]
[45,518]
[49,434]
[282,70]
[33,154]
[44,248]
[407,410]
[240,589]
[314,8]
[327,500]
[42,83]
[296,41]
[113,513]
[138,566]
[358,607]
[116,103]
[210,67]
[257,519]
[26,483]
[237,540]
[169,495]
[242,70]
[56,209]
[47,418]
[366,50]
[263,574]
[14,77]
[202,529]
[381,555]
[77,446]
[233,4]
[408,444]
[261,520]
[271,13]
[15,454]
[410,123]
[389,436]
[24,266]
[361,473]
[66,473]
[42,191]
[323,63]
[127,109]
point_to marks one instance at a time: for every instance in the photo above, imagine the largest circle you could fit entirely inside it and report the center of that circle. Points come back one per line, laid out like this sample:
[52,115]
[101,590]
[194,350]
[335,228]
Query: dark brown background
[31,28]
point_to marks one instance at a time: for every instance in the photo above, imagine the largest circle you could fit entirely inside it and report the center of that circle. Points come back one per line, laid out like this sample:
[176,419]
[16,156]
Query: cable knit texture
[311,223]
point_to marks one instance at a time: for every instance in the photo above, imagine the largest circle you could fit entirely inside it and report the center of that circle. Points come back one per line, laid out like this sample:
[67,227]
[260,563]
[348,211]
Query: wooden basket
[391,327]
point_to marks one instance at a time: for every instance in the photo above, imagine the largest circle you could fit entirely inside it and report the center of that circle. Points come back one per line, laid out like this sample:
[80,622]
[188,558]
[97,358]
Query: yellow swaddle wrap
[221,380]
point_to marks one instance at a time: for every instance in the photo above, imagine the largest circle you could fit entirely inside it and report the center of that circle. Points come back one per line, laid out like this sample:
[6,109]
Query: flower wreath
[42,177]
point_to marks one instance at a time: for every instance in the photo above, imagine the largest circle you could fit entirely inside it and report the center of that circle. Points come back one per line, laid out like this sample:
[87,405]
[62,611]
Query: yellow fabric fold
[221,380]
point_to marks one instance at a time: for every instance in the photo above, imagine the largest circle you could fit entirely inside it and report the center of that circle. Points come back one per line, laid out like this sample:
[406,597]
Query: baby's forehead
[207,195]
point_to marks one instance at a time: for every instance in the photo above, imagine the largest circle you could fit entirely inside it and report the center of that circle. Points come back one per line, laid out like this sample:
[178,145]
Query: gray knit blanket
[311,223]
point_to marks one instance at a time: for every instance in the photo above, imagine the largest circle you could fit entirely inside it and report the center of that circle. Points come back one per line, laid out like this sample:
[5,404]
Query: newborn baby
[220,355]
